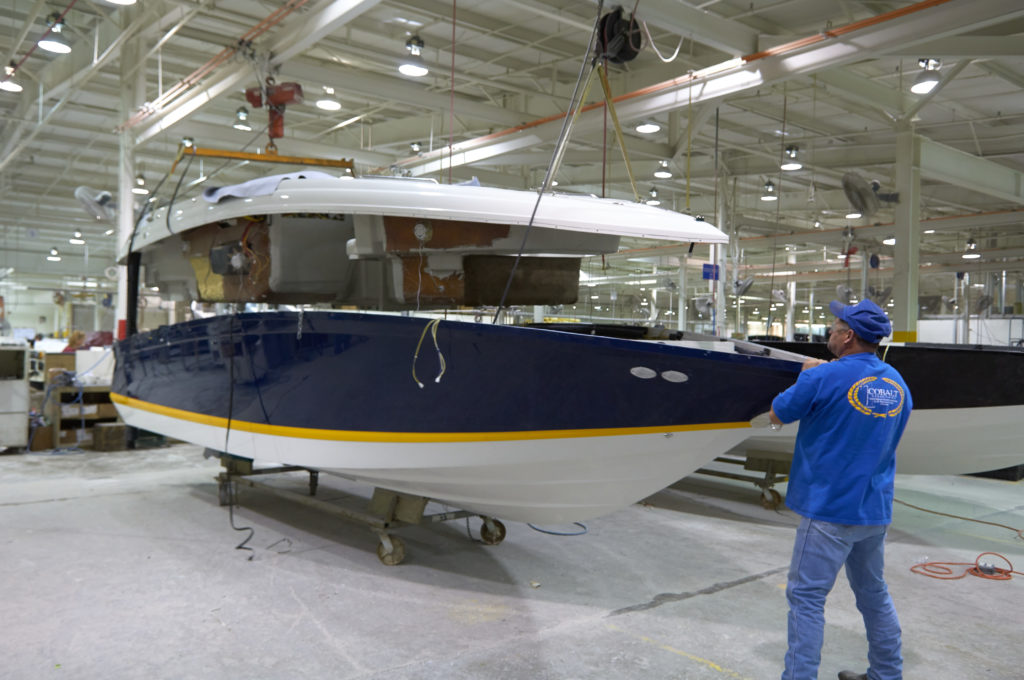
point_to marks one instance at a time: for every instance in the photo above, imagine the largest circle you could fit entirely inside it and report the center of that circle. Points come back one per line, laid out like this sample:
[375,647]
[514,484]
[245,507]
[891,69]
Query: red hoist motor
[277,96]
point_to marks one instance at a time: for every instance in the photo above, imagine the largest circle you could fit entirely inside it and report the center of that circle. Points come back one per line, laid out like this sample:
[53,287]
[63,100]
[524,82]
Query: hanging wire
[778,209]
[689,137]
[431,327]
[654,48]
[562,140]
[451,105]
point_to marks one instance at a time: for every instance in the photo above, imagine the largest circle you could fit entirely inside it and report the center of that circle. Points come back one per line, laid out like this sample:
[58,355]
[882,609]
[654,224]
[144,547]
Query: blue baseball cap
[867,319]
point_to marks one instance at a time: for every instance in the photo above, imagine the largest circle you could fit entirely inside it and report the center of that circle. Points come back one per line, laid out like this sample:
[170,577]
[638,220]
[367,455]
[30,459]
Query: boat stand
[775,470]
[387,512]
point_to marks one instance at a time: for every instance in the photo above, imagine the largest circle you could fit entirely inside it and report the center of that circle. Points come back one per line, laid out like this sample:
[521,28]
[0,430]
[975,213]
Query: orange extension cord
[944,571]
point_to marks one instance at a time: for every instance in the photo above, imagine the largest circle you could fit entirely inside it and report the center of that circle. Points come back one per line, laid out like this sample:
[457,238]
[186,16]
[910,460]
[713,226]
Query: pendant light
[413,65]
[54,41]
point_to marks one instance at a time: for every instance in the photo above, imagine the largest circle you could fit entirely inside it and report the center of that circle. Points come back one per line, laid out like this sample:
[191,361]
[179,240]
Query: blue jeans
[821,548]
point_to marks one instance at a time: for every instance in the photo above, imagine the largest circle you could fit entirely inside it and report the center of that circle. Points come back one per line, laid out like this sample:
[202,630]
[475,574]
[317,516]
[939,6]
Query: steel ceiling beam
[810,55]
[955,167]
[323,18]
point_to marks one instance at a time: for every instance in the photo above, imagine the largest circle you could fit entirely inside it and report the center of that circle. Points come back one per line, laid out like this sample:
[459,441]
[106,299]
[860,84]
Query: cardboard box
[59,360]
[82,438]
[42,439]
[110,437]
[79,410]
[107,411]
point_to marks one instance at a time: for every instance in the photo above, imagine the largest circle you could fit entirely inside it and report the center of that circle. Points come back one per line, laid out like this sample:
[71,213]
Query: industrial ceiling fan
[865,197]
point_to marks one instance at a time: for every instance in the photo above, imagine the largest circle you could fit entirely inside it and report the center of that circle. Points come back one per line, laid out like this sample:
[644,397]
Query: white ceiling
[841,96]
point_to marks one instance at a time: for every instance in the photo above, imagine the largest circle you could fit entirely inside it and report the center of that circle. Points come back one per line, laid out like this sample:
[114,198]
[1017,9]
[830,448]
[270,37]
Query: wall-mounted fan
[741,286]
[983,303]
[779,296]
[97,203]
[880,296]
[864,197]
[704,304]
[844,294]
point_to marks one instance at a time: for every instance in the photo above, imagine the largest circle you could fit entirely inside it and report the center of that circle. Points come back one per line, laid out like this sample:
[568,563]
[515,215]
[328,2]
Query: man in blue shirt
[852,412]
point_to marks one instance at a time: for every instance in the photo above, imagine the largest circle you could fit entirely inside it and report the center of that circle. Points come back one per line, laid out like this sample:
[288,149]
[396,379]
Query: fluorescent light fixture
[853,216]
[108,232]
[891,241]
[663,172]
[648,127]
[929,231]
[769,192]
[791,163]
[53,41]
[123,3]
[928,78]
[413,65]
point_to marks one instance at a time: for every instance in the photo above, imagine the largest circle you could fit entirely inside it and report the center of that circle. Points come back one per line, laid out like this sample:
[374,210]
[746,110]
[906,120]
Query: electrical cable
[177,187]
[778,209]
[581,525]
[451,106]
[654,48]
[432,328]
[231,518]
[943,571]
[1019,532]
[227,433]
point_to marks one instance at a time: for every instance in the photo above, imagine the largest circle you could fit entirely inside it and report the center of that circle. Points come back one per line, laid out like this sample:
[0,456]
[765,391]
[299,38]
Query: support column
[908,236]
[133,91]
[791,297]
[810,314]
[681,316]
[718,257]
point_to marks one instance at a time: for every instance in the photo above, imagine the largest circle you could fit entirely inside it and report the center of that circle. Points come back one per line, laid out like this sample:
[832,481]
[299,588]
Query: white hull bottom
[951,441]
[526,480]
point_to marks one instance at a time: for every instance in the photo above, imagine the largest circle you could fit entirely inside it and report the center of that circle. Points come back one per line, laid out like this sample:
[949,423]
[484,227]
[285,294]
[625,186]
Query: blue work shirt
[852,413]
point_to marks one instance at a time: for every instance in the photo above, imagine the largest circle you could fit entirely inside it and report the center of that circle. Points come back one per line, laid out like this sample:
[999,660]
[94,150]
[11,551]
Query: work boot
[850,675]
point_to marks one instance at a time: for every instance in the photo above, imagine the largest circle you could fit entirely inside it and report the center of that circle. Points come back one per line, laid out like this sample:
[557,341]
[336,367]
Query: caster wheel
[492,532]
[395,555]
[771,499]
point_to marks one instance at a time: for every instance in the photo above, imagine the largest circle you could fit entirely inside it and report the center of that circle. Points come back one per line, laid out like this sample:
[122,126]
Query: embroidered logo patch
[878,397]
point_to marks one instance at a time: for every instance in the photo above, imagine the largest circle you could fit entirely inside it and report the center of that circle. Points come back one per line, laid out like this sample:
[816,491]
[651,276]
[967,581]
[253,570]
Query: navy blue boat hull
[519,423]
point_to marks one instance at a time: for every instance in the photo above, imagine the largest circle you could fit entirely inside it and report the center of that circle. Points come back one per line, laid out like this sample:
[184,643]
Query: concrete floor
[123,565]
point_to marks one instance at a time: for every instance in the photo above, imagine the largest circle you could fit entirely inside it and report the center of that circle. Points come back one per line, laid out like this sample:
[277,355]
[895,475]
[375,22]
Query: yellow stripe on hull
[409,437]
